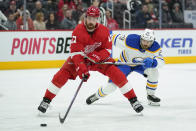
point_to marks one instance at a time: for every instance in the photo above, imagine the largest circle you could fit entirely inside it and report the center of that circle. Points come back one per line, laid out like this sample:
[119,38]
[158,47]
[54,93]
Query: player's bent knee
[117,77]
[152,74]
[60,78]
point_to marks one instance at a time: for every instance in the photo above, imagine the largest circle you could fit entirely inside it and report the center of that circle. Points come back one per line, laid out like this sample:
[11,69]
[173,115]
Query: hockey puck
[43,124]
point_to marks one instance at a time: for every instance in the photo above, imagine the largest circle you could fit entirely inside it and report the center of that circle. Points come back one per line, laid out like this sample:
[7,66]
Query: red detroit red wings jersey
[89,42]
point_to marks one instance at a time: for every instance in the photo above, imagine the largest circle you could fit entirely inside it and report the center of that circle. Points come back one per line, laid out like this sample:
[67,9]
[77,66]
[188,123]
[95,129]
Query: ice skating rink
[21,92]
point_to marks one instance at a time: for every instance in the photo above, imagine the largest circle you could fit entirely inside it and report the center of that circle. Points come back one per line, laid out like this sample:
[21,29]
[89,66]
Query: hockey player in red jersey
[91,40]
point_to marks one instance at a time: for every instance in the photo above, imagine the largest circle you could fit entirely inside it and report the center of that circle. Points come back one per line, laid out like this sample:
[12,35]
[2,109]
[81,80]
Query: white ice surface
[21,92]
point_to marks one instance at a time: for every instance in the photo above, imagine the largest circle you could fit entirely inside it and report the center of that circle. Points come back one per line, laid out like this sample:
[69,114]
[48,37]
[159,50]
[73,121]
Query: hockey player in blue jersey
[136,48]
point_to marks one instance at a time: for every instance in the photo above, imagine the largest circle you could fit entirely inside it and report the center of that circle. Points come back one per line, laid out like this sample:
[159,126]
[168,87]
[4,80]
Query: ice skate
[153,100]
[91,99]
[136,105]
[44,105]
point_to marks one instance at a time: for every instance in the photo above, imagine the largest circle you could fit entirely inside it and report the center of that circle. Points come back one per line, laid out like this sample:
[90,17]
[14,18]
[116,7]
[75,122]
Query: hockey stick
[62,119]
[112,63]
[115,63]
[121,63]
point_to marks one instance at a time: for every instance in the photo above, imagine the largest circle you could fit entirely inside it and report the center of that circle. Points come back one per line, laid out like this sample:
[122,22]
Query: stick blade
[61,119]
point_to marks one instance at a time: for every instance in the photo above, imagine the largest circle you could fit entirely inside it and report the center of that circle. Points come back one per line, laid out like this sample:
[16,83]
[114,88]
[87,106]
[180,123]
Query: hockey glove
[81,68]
[150,63]
[83,72]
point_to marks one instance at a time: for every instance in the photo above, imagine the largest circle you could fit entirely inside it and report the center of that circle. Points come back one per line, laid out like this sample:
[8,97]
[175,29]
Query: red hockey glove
[83,72]
[81,68]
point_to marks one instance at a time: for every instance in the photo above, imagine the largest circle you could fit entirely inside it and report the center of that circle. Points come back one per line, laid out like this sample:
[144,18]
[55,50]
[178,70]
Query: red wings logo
[90,48]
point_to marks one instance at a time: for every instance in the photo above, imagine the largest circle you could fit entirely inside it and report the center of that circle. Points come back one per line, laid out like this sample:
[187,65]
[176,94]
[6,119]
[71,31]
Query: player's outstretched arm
[159,57]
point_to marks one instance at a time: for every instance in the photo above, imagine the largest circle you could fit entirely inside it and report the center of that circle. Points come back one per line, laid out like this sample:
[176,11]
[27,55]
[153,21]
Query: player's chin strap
[104,63]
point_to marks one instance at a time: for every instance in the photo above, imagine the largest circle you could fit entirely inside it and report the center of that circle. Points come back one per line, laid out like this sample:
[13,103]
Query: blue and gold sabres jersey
[132,51]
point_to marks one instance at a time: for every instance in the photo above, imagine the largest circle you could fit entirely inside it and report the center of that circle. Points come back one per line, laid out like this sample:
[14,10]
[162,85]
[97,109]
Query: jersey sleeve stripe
[121,59]
[115,39]
[122,54]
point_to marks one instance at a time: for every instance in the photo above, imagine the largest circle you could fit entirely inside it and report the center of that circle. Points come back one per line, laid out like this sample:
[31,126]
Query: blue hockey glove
[150,63]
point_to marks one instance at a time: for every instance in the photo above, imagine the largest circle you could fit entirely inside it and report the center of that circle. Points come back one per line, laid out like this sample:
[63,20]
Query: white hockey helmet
[148,35]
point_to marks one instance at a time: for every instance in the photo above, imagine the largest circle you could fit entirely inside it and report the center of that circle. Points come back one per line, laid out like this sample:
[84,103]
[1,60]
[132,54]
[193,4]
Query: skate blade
[153,103]
[41,114]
